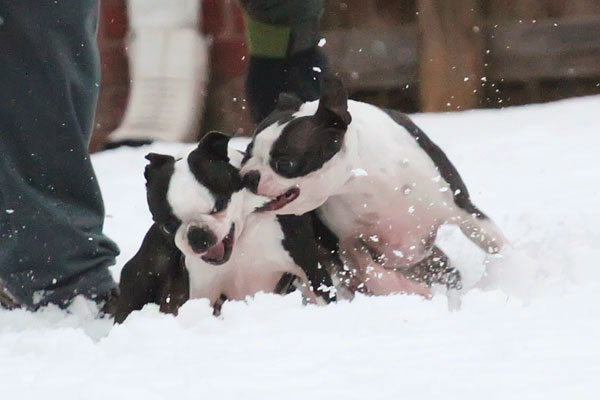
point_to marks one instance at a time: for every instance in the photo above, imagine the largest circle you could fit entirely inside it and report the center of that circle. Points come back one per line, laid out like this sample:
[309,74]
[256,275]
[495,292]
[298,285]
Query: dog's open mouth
[281,200]
[220,252]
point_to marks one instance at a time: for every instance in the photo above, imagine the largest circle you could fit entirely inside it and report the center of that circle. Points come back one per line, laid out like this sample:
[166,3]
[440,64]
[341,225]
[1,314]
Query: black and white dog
[379,184]
[206,242]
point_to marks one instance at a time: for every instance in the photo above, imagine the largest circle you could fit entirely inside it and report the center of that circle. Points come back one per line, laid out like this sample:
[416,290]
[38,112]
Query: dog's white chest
[257,263]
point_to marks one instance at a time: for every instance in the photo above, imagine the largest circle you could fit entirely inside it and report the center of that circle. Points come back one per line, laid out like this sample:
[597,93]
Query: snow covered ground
[530,329]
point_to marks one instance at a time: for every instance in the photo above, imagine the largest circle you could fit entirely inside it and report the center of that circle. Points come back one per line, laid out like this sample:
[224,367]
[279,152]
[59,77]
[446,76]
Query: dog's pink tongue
[217,252]
[277,203]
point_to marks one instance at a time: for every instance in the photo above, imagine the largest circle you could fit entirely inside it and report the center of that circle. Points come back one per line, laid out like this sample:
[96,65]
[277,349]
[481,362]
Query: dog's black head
[191,198]
[294,144]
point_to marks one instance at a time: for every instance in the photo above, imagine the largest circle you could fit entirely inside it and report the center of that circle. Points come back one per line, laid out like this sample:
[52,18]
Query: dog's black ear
[156,161]
[288,101]
[334,101]
[215,145]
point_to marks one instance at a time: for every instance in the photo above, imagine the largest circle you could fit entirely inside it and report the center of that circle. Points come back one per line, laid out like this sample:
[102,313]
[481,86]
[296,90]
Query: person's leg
[51,210]
[283,38]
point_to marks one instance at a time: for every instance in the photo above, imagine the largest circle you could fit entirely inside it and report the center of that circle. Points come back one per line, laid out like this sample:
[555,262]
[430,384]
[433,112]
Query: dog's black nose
[201,239]
[251,180]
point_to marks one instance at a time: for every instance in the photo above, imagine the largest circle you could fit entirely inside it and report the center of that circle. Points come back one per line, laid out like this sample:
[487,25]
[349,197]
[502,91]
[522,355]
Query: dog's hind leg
[482,231]
[373,275]
[435,269]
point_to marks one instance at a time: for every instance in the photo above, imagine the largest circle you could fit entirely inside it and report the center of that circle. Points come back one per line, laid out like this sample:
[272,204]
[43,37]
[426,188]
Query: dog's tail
[482,231]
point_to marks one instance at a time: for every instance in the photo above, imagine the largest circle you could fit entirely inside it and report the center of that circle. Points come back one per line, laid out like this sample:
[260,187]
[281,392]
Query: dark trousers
[282,37]
[51,209]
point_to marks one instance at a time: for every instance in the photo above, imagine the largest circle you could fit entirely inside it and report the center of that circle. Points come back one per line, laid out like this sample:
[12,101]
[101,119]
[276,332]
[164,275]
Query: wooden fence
[470,53]
[412,55]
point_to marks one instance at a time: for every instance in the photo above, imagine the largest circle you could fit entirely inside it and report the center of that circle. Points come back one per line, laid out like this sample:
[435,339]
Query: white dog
[379,185]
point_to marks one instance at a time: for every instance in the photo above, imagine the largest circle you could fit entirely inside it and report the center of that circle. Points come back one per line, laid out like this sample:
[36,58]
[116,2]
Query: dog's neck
[243,204]
[350,162]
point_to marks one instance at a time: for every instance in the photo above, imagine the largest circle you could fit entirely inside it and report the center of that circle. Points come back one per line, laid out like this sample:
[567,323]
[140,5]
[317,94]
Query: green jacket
[280,28]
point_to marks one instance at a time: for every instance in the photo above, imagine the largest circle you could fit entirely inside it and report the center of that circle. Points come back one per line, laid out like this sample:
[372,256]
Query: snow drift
[528,328]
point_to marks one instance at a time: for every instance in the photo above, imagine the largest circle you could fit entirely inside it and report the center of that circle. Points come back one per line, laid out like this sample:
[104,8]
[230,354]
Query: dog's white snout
[270,186]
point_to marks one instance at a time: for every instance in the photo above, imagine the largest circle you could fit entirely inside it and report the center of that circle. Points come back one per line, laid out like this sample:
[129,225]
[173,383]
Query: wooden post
[451,54]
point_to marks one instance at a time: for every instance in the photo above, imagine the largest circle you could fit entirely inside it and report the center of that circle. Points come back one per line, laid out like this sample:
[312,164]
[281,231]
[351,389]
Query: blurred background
[411,55]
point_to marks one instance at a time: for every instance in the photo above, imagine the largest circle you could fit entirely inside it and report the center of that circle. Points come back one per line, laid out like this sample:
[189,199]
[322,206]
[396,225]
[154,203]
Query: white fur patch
[257,262]
[186,195]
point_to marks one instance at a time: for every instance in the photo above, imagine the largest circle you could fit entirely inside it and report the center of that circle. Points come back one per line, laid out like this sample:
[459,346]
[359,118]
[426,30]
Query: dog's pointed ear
[156,161]
[334,101]
[215,145]
[288,101]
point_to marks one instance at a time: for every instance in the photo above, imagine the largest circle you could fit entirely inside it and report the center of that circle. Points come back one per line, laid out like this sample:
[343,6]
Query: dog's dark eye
[171,226]
[220,205]
[284,165]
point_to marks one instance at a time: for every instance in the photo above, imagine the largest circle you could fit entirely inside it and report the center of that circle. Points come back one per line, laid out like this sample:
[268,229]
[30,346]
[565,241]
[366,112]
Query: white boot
[168,61]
